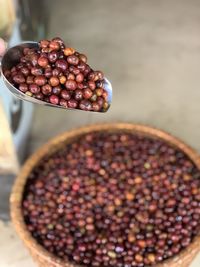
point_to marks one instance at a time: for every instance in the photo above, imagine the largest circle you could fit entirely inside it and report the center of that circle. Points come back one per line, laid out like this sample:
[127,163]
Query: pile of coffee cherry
[58,74]
[114,200]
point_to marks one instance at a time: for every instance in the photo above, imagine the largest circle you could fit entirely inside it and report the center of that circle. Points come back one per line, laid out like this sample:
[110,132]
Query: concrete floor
[150,51]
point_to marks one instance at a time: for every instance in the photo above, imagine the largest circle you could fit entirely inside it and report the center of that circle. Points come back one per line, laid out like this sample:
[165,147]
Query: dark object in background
[5,189]
[33,17]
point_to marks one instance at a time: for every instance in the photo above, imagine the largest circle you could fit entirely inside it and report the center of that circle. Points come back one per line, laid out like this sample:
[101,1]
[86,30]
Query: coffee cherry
[58,40]
[44,43]
[78,94]
[83,58]
[74,70]
[39,96]
[68,51]
[71,85]
[47,89]
[34,88]
[85,105]
[91,85]
[65,95]
[54,45]
[54,81]
[25,71]
[73,60]
[71,76]
[53,56]
[54,99]
[18,78]
[23,87]
[36,71]
[48,72]
[79,77]
[56,72]
[95,106]
[61,64]
[43,62]
[87,93]
[63,103]
[30,79]
[56,90]
[72,103]
[62,79]
[40,80]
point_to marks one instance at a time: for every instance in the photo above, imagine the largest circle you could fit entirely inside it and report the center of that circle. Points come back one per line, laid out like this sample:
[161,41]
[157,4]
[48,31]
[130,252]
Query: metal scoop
[12,57]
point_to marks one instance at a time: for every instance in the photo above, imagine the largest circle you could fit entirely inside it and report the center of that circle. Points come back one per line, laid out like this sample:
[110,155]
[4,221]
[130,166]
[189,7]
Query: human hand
[2,47]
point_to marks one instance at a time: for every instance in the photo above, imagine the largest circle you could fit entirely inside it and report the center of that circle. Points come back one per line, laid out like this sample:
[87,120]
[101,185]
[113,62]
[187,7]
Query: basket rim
[66,137]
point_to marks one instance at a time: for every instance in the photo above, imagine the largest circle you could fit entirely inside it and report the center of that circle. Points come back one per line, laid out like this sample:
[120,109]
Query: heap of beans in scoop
[114,199]
[59,75]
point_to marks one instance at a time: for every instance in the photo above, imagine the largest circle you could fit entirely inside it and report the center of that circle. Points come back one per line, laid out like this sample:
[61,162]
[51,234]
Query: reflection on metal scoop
[12,57]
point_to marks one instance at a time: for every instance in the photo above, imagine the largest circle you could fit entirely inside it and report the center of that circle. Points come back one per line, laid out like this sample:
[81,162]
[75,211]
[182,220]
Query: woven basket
[41,256]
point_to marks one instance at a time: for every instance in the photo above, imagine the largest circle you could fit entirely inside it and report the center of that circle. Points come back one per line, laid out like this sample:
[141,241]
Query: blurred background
[148,49]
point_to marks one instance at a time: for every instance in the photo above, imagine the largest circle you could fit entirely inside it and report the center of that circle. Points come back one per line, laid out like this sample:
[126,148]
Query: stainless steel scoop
[12,57]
